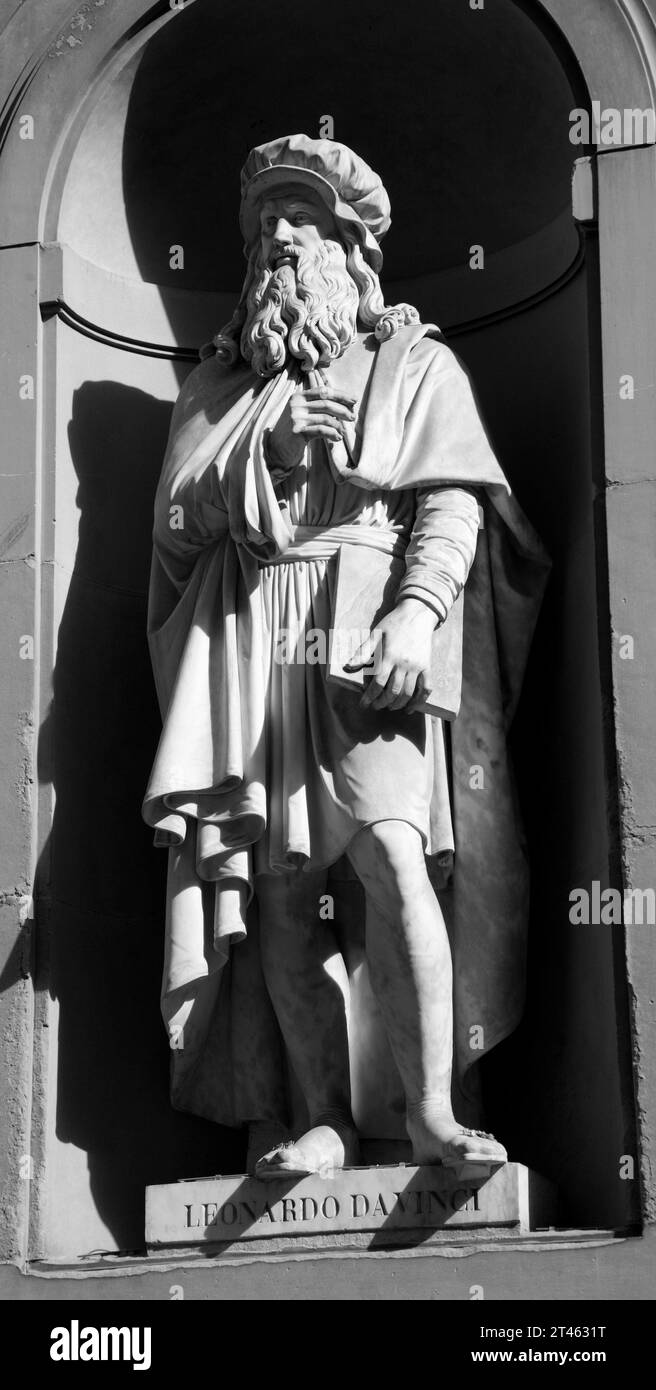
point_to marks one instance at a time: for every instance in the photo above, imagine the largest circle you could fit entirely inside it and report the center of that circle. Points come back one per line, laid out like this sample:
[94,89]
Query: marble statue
[321,417]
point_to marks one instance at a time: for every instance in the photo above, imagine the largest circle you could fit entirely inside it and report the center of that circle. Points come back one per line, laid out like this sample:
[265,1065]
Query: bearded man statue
[319,418]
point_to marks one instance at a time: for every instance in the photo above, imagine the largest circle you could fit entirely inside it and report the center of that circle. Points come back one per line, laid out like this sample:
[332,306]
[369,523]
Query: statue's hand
[323,412]
[401,650]
[310,414]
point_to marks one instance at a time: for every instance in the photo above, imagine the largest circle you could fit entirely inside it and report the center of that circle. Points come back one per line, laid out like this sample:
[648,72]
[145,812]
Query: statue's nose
[283,234]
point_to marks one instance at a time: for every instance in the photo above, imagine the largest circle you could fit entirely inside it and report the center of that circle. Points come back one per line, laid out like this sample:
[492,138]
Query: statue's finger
[345,408]
[376,686]
[334,408]
[393,691]
[322,432]
[406,695]
[312,422]
[311,417]
[370,694]
[325,393]
[325,418]
[323,409]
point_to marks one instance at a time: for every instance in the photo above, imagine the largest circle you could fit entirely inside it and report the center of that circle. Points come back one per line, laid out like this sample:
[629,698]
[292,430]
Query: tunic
[333,767]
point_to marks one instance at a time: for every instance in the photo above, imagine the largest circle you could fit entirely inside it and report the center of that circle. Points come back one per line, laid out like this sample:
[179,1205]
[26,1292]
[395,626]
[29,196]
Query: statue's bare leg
[411,974]
[306,979]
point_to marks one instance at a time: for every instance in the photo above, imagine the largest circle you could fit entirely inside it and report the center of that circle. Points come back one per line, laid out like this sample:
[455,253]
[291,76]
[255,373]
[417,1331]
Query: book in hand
[366,589]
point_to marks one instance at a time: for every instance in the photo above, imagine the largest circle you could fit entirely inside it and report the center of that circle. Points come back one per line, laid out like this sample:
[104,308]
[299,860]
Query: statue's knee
[389,857]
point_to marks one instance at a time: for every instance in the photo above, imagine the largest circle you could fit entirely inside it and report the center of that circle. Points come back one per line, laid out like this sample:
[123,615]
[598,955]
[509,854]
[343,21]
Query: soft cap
[353,192]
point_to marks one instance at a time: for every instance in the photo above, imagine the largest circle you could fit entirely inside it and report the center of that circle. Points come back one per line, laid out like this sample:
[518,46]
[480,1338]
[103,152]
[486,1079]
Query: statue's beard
[307,310]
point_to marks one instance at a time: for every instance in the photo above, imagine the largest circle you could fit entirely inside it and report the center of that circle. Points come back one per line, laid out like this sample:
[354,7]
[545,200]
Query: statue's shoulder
[427,345]
[211,387]
[418,350]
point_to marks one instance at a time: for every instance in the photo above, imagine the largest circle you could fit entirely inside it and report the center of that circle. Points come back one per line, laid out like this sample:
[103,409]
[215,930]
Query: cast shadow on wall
[107,879]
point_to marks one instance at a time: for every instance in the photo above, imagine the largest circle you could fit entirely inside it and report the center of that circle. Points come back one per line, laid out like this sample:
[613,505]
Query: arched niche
[120,332]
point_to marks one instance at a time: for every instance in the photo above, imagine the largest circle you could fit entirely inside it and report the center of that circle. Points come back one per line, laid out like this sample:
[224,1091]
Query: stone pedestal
[371,1205]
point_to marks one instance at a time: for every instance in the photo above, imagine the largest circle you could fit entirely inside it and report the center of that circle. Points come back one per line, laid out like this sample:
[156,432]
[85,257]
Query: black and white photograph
[328,666]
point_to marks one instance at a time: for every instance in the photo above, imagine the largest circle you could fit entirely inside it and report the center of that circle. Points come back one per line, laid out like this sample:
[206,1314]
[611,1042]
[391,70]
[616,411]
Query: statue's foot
[437,1137]
[322,1150]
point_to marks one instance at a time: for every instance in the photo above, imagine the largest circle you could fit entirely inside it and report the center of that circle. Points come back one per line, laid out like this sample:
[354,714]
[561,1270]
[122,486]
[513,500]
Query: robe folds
[221,528]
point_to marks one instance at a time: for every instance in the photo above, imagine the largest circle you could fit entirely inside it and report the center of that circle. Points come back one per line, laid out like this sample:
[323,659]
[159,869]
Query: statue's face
[302,301]
[295,220]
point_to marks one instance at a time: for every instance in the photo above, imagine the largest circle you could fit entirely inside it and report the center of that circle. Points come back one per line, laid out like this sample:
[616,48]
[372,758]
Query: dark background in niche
[464,113]
[468,125]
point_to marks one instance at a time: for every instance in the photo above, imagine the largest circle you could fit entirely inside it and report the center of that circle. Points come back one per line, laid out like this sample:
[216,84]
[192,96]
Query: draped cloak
[217,520]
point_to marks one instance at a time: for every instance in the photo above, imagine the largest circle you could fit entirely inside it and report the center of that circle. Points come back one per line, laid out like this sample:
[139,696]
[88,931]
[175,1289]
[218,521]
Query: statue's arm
[439,557]
[187,521]
[441,549]
[190,511]
[443,540]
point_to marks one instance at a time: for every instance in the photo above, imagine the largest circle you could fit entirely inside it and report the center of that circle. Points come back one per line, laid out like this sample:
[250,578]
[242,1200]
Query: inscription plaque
[376,1199]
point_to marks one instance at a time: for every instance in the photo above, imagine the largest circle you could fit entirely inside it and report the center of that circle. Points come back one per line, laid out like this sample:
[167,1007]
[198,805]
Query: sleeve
[442,547]
[189,517]
[189,509]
